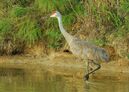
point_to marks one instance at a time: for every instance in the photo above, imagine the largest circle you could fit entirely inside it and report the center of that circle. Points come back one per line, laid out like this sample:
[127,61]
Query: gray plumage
[83,49]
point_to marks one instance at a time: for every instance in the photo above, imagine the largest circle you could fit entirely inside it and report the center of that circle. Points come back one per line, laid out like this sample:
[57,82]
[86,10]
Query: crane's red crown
[56,14]
[53,14]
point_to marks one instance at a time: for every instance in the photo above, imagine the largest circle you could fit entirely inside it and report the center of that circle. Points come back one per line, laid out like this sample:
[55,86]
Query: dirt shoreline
[68,66]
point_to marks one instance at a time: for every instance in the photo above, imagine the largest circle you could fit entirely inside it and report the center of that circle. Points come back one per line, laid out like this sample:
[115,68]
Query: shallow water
[41,80]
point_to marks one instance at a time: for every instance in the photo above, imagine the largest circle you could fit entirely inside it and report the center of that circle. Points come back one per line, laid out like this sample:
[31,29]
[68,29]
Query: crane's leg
[87,70]
[86,77]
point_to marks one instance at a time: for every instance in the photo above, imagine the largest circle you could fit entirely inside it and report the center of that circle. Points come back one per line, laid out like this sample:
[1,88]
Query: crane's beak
[52,16]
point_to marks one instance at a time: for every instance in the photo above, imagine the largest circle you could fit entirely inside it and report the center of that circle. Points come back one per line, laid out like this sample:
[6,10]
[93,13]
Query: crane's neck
[67,36]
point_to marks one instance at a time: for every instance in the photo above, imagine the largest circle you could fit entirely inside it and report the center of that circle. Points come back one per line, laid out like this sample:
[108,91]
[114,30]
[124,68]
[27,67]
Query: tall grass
[109,17]
[29,22]
[29,31]
[5,28]
[70,9]
[18,11]
[54,38]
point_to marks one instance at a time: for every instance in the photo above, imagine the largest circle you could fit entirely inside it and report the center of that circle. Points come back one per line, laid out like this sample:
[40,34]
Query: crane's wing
[87,50]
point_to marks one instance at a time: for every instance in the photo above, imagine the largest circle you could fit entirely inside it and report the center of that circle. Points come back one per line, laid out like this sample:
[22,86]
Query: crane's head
[56,14]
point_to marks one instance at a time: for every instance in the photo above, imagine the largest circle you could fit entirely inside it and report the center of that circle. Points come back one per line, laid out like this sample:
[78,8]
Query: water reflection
[40,80]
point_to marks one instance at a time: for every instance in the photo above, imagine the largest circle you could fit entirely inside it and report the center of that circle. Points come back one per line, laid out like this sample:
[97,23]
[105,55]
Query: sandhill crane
[87,51]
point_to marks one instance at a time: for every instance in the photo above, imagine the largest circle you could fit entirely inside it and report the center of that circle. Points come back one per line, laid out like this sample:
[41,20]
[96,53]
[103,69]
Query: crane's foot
[86,77]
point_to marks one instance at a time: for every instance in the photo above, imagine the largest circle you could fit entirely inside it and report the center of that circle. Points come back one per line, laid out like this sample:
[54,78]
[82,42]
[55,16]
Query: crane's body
[86,50]
[82,48]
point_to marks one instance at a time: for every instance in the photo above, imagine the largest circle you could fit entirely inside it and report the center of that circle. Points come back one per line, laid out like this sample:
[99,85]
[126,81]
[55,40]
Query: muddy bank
[68,66]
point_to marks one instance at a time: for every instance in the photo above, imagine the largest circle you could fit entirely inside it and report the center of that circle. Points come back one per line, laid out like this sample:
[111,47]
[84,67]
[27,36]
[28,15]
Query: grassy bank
[25,26]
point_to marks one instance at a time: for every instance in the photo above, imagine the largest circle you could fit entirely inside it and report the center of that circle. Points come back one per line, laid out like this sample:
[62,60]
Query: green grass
[100,42]
[29,22]
[29,31]
[54,38]
[18,11]
[6,27]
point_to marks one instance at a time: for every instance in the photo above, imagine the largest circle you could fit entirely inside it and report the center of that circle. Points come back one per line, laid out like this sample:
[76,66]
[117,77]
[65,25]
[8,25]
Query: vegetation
[26,22]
